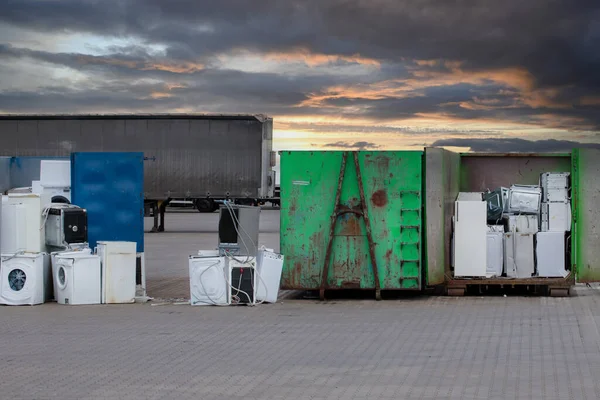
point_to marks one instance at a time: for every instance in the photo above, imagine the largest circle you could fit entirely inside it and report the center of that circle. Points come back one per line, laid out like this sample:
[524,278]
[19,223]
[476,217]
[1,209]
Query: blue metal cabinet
[110,186]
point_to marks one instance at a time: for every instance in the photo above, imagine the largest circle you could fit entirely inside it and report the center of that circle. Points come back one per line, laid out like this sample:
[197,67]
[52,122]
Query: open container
[448,173]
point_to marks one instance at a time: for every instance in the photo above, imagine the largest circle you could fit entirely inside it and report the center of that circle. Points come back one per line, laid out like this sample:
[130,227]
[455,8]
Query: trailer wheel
[205,205]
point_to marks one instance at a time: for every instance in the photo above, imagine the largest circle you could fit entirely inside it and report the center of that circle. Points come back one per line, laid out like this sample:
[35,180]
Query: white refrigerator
[470,235]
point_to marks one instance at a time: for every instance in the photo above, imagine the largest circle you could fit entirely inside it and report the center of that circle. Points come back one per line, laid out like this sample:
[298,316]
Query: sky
[363,74]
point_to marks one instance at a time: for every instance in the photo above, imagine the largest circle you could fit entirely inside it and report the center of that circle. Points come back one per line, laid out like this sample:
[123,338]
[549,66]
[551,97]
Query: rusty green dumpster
[352,220]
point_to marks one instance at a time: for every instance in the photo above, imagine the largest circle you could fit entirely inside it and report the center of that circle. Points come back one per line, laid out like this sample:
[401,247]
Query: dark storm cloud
[514,145]
[556,41]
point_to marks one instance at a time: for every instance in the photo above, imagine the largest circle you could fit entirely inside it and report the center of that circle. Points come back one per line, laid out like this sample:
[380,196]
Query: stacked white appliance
[118,265]
[54,185]
[25,269]
[78,278]
[519,261]
[495,251]
[208,281]
[470,235]
[269,266]
[555,222]
[26,279]
[223,281]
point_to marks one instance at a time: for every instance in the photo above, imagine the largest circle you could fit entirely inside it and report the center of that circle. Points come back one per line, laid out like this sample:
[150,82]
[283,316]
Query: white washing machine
[78,278]
[119,260]
[85,250]
[26,279]
[51,194]
[208,283]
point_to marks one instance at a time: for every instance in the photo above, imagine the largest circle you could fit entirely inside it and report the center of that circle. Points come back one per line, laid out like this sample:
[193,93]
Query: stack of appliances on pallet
[45,252]
[238,272]
[517,232]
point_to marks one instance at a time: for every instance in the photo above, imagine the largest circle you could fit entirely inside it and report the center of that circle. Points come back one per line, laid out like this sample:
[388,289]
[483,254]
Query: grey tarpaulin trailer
[198,157]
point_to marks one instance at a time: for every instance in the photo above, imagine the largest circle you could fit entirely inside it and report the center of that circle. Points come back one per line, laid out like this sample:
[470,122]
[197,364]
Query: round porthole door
[61,277]
[17,279]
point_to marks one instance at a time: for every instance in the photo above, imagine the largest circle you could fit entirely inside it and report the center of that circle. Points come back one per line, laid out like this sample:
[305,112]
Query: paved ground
[424,348]
[186,233]
[418,348]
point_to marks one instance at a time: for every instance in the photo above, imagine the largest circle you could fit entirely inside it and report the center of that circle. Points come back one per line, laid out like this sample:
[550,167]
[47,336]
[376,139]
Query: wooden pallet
[555,287]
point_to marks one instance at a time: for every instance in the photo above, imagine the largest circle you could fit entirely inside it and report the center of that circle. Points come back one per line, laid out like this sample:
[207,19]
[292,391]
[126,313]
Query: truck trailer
[203,158]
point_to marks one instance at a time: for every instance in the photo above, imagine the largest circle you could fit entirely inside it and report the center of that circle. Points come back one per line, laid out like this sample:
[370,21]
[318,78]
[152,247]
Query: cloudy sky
[332,73]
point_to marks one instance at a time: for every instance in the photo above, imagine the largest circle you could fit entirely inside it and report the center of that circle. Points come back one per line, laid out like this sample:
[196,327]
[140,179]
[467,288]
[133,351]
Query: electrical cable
[47,208]
[237,227]
[240,236]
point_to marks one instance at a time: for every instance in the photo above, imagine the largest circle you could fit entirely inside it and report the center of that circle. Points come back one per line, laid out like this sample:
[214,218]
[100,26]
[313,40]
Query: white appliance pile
[45,255]
[238,272]
[517,232]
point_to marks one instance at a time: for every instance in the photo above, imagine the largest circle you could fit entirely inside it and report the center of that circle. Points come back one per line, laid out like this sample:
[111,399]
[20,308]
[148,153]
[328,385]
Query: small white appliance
[524,199]
[14,228]
[470,242]
[78,278]
[556,217]
[495,254]
[242,280]
[555,186]
[550,253]
[55,173]
[558,180]
[118,261]
[518,255]
[496,228]
[65,224]
[83,250]
[269,266]
[26,279]
[208,283]
[525,223]
[35,241]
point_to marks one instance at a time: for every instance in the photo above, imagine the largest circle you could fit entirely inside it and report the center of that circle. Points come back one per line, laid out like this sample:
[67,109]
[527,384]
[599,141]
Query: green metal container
[449,173]
[315,216]
[585,193]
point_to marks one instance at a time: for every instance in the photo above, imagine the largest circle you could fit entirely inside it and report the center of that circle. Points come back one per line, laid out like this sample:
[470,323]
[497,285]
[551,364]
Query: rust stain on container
[388,256]
[350,226]
[379,198]
[353,284]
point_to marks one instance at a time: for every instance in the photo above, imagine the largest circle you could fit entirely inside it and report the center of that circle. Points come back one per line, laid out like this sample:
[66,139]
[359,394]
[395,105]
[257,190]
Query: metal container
[187,155]
[585,201]
[352,220]
[451,173]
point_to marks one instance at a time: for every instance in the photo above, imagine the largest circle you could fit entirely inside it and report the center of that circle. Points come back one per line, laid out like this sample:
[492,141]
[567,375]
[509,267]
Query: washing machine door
[208,284]
[18,282]
[63,274]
